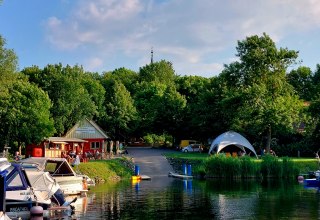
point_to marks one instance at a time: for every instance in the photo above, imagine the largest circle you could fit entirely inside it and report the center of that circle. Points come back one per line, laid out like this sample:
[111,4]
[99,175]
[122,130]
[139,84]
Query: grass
[108,170]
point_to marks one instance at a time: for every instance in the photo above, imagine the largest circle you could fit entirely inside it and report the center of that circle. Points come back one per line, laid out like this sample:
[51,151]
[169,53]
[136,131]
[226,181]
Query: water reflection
[169,198]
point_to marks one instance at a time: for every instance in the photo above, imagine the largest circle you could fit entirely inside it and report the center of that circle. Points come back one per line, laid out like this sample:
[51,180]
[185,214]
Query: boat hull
[312,182]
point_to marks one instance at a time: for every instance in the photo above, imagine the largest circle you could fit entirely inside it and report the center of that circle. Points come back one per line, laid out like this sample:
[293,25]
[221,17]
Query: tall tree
[261,100]
[71,101]
[161,72]
[120,110]
[301,80]
[24,108]
[160,108]
[127,77]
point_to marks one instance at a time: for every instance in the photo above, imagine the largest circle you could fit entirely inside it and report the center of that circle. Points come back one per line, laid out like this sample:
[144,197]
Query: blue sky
[197,36]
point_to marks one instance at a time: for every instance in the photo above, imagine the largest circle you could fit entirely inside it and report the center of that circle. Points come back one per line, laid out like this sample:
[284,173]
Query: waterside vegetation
[221,166]
[103,171]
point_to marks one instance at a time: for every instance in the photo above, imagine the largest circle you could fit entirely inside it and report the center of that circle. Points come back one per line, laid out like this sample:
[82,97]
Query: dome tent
[230,138]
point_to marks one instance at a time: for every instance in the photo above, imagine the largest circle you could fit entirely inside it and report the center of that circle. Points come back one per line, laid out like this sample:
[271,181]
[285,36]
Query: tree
[8,62]
[120,110]
[301,80]
[260,100]
[71,101]
[25,113]
[160,108]
[161,72]
[24,108]
[127,77]
[96,91]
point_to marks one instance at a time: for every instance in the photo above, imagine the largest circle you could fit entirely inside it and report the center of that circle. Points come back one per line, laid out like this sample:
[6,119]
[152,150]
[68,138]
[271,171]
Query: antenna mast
[151,55]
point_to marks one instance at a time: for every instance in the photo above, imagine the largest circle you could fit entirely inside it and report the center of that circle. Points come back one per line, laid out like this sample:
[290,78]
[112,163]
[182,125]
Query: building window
[95,145]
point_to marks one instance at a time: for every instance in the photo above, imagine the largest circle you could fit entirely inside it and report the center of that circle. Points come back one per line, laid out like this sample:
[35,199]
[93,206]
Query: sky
[197,36]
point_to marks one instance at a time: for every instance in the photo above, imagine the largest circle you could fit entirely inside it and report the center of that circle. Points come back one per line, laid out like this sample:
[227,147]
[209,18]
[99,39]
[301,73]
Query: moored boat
[313,182]
[28,188]
[70,182]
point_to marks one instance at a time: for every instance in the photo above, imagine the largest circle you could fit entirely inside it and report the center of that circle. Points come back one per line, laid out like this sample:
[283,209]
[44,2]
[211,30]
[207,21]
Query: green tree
[66,87]
[120,110]
[301,80]
[91,82]
[161,72]
[197,117]
[160,108]
[127,77]
[24,108]
[25,113]
[259,98]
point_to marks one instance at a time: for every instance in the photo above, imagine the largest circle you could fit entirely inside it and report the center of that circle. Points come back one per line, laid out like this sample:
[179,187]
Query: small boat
[70,182]
[180,176]
[313,182]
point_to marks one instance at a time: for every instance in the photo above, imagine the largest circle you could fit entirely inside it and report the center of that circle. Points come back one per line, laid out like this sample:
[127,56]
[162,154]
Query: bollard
[189,172]
[184,169]
[136,170]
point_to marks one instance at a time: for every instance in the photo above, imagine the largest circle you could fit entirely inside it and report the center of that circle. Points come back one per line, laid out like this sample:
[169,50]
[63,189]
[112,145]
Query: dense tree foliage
[120,110]
[254,96]
[24,107]
[262,100]
[301,80]
[67,89]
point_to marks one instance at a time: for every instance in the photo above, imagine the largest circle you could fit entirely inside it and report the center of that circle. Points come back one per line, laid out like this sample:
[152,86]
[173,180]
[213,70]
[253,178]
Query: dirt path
[150,161]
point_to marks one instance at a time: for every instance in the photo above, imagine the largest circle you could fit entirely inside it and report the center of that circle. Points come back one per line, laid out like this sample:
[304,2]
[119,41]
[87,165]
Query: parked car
[193,148]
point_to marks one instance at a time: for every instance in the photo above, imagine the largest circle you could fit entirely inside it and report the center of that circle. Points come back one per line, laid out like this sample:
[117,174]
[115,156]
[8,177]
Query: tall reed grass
[221,166]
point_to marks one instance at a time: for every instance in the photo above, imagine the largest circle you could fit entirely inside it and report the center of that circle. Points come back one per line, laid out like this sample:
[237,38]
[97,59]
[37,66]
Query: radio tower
[151,55]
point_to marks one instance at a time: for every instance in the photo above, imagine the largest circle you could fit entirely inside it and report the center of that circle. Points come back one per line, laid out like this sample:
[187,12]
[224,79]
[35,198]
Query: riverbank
[204,165]
[110,170]
[117,169]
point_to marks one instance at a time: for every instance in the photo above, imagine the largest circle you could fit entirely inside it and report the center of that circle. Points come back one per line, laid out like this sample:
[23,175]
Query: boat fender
[36,211]
[84,184]
[300,178]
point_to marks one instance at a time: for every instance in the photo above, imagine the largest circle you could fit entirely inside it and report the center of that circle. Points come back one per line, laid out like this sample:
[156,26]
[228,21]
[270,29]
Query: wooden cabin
[95,137]
[83,138]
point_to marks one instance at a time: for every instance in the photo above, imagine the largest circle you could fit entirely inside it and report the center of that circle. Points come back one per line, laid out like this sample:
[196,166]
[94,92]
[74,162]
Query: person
[272,153]
[317,157]
[17,156]
[76,161]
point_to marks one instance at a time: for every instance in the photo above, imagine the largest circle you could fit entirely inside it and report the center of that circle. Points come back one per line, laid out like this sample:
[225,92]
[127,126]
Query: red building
[95,137]
[86,136]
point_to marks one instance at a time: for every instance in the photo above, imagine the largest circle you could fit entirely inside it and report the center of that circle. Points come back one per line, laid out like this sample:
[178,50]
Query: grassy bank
[221,166]
[107,170]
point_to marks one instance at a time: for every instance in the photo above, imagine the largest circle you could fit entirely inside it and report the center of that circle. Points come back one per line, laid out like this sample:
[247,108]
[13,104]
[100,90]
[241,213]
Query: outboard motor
[317,173]
[59,199]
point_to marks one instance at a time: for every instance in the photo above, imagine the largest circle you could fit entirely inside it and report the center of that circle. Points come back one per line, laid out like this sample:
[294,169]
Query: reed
[289,169]
[221,166]
[270,167]
[249,167]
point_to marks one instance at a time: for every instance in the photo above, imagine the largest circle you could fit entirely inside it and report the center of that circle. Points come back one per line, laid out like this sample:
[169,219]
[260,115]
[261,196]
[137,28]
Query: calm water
[169,198]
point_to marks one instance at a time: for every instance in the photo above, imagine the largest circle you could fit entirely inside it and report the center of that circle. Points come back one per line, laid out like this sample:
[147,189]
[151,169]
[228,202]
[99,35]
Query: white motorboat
[4,164]
[70,182]
[28,188]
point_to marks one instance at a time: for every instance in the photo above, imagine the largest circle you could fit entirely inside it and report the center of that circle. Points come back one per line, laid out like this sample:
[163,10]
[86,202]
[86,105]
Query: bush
[158,140]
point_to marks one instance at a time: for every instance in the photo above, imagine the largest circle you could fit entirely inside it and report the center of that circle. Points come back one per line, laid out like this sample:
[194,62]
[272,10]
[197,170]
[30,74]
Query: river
[170,198]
